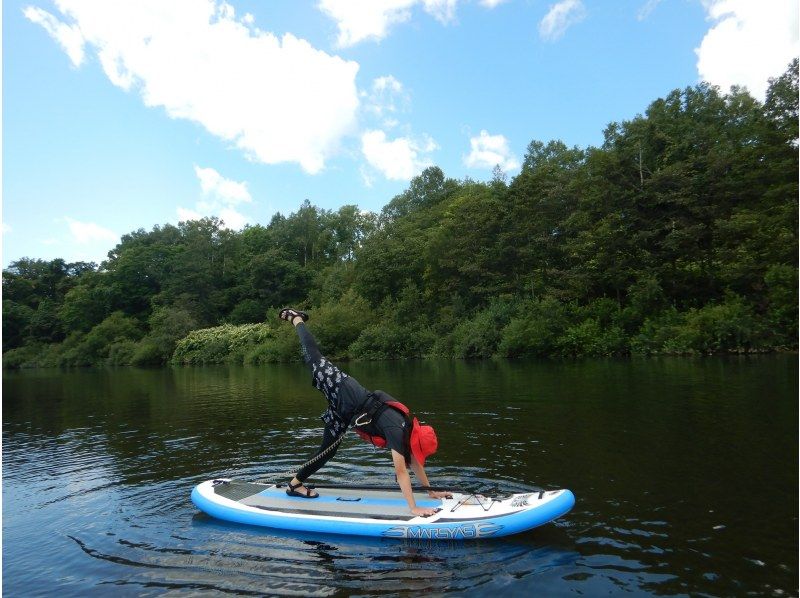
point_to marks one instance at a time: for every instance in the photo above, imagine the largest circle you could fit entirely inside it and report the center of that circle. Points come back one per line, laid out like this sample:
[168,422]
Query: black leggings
[328,438]
[343,393]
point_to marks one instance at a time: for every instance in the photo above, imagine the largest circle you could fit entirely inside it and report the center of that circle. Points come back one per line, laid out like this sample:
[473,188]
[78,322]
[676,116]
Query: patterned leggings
[340,390]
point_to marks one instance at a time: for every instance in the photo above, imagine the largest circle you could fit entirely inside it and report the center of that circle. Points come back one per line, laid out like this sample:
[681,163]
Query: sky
[119,115]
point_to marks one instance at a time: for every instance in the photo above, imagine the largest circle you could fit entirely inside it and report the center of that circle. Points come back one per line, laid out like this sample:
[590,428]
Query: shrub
[282,348]
[781,281]
[247,311]
[220,344]
[94,348]
[480,336]
[148,352]
[21,357]
[535,330]
[727,326]
[390,340]
[591,338]
[121,353]
[337,325]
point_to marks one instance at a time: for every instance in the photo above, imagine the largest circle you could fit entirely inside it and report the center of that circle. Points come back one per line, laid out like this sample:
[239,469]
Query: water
[685,473]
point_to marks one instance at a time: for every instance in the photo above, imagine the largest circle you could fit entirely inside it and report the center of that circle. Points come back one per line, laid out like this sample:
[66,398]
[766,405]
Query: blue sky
[125,115]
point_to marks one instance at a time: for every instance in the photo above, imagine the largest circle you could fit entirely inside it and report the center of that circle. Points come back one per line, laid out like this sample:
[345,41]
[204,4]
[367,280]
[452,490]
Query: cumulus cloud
[85,233]
[359,20]
[68,37]
[488,151]
[400,159]
[278,99]
[385,99]
[228,191]
[220,196]
[748,42]
[561,17]
[185,214]
[232,219]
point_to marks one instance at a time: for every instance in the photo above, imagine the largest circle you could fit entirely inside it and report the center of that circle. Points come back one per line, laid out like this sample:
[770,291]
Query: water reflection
[684,471]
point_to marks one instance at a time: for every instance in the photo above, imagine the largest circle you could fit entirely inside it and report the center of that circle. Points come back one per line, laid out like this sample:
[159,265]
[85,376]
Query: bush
[337,325]
[480,336]
[282,347]
[390,340]
[656,332]
[94,348]
[247,312]
[22,357]
[781,281]
[535,330]
[221,344]
[730,326]
[590,338]
[148,352]
[121,353]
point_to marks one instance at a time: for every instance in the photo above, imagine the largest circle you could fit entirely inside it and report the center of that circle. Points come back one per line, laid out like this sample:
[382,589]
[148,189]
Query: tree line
[677,235]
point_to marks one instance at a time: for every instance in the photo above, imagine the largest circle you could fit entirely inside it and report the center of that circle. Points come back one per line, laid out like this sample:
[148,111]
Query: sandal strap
[288,313]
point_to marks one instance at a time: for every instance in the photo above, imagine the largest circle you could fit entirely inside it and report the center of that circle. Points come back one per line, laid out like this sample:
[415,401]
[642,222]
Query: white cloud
[560,17]
[220,195]
[385,99]
[185,214]
[490,150]
[277,99]
[68,37]
[491,3]
[366,177]
[85,233]
[443,11]
[232,219]
[748,42]
[385,83]
[214,184]
[359,20]
[6,228]
[399,159]
[646,9]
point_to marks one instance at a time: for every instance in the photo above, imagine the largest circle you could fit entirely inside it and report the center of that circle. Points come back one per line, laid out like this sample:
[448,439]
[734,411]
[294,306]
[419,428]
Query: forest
[678,235]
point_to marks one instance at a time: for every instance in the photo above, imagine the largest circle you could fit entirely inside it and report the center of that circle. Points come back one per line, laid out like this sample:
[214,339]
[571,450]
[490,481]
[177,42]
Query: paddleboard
[380,512]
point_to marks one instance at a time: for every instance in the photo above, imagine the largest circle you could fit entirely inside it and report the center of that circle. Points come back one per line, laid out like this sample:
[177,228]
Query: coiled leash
[354,423]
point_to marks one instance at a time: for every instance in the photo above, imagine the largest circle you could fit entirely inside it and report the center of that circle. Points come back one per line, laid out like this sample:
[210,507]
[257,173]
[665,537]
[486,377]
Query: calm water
[685,473]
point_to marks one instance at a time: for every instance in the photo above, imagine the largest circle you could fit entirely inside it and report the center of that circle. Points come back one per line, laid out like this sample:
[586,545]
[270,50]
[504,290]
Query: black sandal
[289,314]
[292,491]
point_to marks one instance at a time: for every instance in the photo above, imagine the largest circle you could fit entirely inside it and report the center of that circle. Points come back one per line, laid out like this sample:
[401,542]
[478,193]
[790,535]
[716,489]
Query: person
[376,415]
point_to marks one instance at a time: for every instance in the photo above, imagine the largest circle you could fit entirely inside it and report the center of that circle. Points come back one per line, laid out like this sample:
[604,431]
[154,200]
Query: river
[685,473]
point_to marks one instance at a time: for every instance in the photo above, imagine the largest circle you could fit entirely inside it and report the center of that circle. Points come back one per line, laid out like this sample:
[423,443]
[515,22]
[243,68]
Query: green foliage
[337,325]
[481,335]
[534,329]
[728,326]
[391,340]
[247,311]
[677,235]
[28,356]
[221,344]
[111,342]
[782,284]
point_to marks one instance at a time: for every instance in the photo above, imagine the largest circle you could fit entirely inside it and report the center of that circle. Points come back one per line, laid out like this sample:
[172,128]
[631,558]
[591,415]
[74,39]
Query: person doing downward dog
[377,417]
